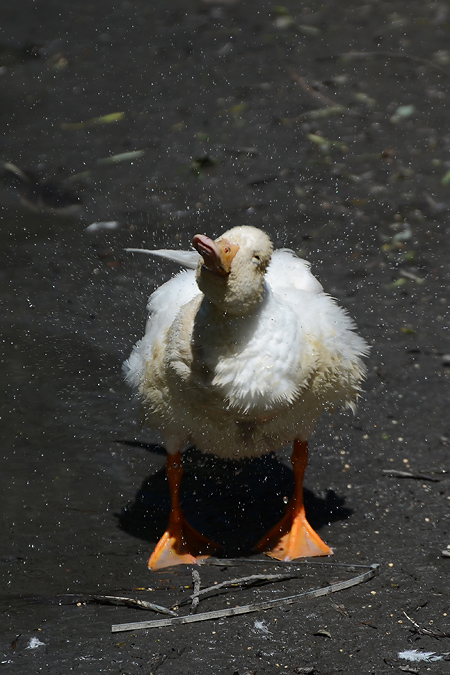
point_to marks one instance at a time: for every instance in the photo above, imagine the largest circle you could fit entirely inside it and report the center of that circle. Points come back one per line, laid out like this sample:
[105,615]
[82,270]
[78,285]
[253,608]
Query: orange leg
[293,537]
[180,543]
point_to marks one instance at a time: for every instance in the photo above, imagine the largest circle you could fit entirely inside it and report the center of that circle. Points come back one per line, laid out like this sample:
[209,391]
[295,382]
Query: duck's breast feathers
[287,270]
[262,365]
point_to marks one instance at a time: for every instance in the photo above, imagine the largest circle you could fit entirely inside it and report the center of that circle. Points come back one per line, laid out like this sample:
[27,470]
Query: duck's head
[232,267]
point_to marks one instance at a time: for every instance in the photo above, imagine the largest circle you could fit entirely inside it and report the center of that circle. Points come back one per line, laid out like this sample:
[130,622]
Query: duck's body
[240,368]
[241,386]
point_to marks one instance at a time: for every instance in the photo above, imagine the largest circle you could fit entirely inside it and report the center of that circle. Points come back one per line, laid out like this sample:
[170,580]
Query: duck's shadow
[233,502]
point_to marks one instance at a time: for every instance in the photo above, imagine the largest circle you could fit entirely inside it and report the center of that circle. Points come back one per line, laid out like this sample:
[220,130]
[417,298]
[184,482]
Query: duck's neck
[216,331]
[227,305]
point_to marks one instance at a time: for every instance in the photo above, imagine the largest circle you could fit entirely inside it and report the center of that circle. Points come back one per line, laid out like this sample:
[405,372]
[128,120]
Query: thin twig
[234,562]
[426,631]
[241,581]
[132,602]
[341,609]
[195,595]
[371,571]
[317,95]
[407,474]
[393,55]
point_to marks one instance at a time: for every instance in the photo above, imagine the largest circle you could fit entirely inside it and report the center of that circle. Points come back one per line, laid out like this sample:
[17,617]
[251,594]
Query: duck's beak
[217,255]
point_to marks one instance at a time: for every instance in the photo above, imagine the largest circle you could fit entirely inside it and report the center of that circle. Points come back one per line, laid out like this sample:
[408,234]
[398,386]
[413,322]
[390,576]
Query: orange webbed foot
[181,544]
[291,538]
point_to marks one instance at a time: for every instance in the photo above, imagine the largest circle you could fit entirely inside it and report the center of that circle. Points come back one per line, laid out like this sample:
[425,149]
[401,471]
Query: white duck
[239,358]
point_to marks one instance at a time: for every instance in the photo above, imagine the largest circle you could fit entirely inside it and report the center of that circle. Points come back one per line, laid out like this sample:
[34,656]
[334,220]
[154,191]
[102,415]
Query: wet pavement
[328,131]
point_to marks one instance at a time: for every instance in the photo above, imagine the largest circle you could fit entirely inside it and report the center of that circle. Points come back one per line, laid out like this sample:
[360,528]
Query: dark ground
[325,124]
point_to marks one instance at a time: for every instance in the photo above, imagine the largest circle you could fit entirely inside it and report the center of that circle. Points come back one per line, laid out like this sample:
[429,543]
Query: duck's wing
[163,307]
[288,271]
[337,348]
[187,259]
[167,300]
